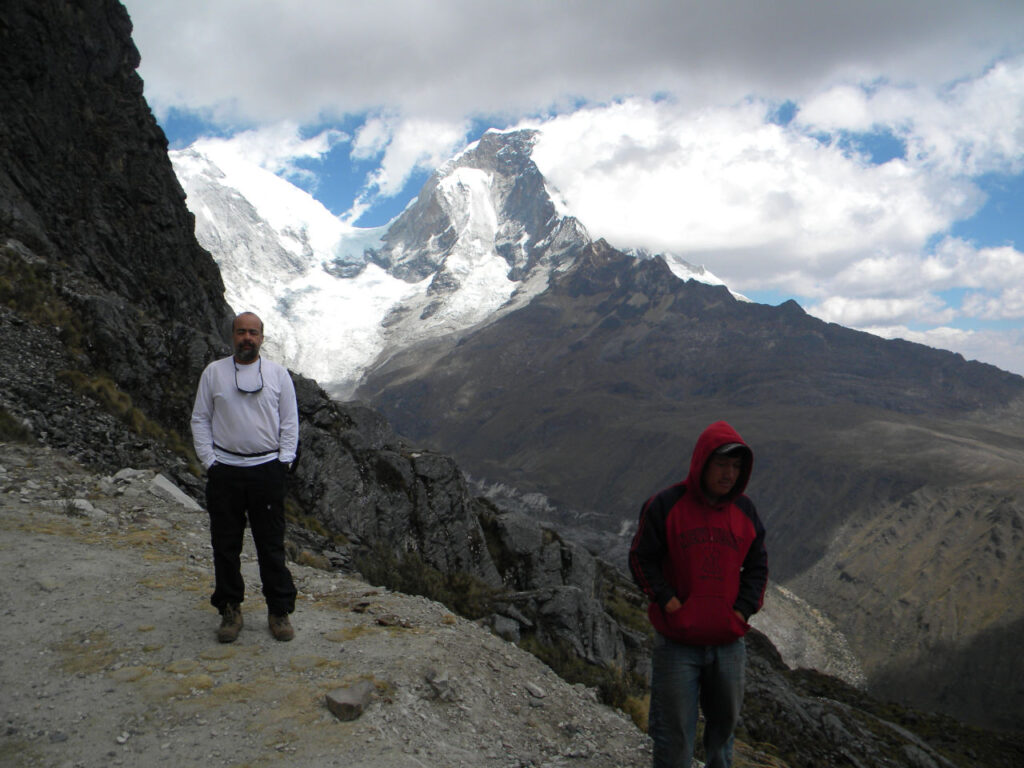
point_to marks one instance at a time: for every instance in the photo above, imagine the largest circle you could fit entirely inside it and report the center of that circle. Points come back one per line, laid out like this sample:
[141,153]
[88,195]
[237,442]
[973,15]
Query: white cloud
[992,268]
[870,312]
[1004,349]
[277,59]
[372,139]
[972,127]
[952,263]
[405,146]
[1006,305]
[276,148]
[754,200]
[252,163]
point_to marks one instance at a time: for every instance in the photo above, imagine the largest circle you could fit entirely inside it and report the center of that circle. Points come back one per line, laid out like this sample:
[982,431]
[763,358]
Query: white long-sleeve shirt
[227,423]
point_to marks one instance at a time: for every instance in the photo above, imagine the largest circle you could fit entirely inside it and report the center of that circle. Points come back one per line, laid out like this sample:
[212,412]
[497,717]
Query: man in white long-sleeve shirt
[245,427]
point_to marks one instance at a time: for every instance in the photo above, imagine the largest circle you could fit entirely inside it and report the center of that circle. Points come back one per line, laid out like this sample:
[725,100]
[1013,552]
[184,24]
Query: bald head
[246,317]
[247,337]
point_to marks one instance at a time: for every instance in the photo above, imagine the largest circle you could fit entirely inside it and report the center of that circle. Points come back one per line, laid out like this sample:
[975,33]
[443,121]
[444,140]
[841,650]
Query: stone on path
[349,703]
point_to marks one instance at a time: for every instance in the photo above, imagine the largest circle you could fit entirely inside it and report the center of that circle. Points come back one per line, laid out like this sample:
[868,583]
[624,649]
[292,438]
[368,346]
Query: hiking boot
[280,627]
[230,623]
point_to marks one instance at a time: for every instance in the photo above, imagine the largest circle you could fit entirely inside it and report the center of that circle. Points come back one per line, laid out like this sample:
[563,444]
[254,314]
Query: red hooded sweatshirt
[708,554]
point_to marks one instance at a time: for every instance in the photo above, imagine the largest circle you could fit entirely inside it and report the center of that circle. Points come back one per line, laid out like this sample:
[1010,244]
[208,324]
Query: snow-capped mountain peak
[482,238]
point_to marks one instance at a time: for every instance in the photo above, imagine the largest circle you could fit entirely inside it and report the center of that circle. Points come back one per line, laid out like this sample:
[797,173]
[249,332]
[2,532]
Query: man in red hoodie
[699,556]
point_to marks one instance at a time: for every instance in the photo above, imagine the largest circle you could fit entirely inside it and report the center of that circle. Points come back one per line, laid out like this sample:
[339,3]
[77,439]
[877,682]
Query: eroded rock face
[358,479]
[90,209]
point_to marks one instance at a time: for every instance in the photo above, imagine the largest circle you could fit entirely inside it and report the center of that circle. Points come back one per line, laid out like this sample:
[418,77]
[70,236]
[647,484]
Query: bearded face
[247,337]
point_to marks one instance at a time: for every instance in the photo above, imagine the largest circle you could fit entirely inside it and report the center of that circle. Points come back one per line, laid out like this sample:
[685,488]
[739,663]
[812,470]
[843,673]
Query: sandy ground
[110,655]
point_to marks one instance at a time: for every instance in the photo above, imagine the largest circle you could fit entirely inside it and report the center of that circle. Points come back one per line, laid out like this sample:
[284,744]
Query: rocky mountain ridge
[437,232]
[483,236]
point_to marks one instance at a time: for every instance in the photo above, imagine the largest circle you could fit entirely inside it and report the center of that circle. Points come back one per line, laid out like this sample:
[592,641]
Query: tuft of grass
[616,688]
[67,501]
[296,516]
[30,289]
[102,389]
[85,652]
[12,430]
[313,560]
[461,592]
[638,708]
[111,398]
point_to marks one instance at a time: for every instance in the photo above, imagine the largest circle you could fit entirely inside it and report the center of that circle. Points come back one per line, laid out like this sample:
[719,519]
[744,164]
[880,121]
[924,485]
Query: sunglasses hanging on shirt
[259,372]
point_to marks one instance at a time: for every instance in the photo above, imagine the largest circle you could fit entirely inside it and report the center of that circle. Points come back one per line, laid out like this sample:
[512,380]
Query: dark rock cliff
[90,207]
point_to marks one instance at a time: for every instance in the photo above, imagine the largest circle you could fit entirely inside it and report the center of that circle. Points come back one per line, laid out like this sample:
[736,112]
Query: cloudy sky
[865,158]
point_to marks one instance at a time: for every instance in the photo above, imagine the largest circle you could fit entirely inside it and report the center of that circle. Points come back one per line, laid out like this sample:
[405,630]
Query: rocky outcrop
[810,720]
[360,481]
[557,590]
[376,494]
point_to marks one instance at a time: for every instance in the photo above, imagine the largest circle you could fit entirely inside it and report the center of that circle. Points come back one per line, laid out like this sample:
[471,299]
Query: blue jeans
[683,677]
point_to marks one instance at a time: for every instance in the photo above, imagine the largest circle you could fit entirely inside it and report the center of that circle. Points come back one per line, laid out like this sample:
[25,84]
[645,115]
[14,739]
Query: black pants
[232,494]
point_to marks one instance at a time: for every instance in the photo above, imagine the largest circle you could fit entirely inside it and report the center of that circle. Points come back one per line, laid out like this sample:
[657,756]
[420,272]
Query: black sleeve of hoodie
[754,574]
[648,551]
